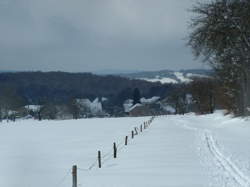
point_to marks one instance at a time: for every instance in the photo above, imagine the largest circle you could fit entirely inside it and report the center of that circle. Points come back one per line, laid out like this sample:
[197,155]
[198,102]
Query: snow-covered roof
[134,106]
[181,77]
[169,108]
[33,108]
[94,107]
[149,100]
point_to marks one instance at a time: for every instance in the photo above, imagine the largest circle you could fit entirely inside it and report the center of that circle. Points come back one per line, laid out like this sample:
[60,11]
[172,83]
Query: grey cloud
[89,35]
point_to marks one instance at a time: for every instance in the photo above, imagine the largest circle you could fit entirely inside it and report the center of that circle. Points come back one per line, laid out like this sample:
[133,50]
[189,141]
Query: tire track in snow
[226,164]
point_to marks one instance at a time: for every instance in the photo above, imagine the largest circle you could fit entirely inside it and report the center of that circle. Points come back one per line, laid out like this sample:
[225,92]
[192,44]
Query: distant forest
[60,87]
[61,95]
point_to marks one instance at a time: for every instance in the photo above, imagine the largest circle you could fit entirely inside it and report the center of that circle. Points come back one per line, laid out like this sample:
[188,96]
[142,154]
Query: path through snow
[223,168]
[225,163]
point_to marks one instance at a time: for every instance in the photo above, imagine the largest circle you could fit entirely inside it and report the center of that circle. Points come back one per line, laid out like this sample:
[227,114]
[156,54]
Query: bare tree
[221,34]
[203,94]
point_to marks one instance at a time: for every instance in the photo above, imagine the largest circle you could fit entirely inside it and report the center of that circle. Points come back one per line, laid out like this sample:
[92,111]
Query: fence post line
[74,176]
[99,159]
[136,132]
[115,150]
[126,140]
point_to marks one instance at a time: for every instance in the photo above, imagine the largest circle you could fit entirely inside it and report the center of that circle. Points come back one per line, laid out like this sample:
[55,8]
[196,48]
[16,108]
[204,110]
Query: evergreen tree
[136,96]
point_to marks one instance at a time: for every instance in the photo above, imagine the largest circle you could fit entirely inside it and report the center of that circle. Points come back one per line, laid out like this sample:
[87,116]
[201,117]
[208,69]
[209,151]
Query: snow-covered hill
[184,151]
[169,76]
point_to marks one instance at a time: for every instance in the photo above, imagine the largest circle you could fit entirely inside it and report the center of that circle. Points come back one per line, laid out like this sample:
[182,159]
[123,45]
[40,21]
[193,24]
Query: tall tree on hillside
[203,94]
[48,111]
[73,108]
[178,99]
[10,101]
[221,34]
[122,96]
[136,96]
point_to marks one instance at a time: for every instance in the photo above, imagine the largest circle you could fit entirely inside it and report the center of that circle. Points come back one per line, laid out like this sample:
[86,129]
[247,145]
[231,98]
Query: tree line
[57,91]
[61,97]
[221,36]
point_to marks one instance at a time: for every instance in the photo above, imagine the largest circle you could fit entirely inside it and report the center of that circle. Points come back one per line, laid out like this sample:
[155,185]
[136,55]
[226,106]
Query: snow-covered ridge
[161,80]
[179,77]
[168,76]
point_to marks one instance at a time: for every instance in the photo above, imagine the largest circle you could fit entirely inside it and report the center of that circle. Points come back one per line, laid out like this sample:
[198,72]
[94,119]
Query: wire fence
[107,156]
[68,173]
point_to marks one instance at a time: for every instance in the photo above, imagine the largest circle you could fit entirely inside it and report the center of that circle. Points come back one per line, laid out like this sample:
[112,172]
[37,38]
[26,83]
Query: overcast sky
[95,35]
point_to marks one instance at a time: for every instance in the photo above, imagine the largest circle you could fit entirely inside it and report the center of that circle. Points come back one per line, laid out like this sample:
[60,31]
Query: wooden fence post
[74,176]
[136,132]
[99,159]
[115,150]
[126,140]
[132,134]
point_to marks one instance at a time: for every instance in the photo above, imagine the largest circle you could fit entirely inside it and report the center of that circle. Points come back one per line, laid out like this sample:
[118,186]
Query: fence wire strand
[64,178]
[106,157]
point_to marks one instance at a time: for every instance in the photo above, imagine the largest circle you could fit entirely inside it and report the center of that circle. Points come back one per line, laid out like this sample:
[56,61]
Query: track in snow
[226,164]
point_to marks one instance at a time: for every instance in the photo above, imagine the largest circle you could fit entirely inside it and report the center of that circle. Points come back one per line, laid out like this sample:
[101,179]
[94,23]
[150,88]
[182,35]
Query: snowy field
[175,151]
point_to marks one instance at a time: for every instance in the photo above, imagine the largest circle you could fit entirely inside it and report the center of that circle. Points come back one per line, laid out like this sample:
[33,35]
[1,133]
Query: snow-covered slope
[169,76]
[183,151]
[162,80]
